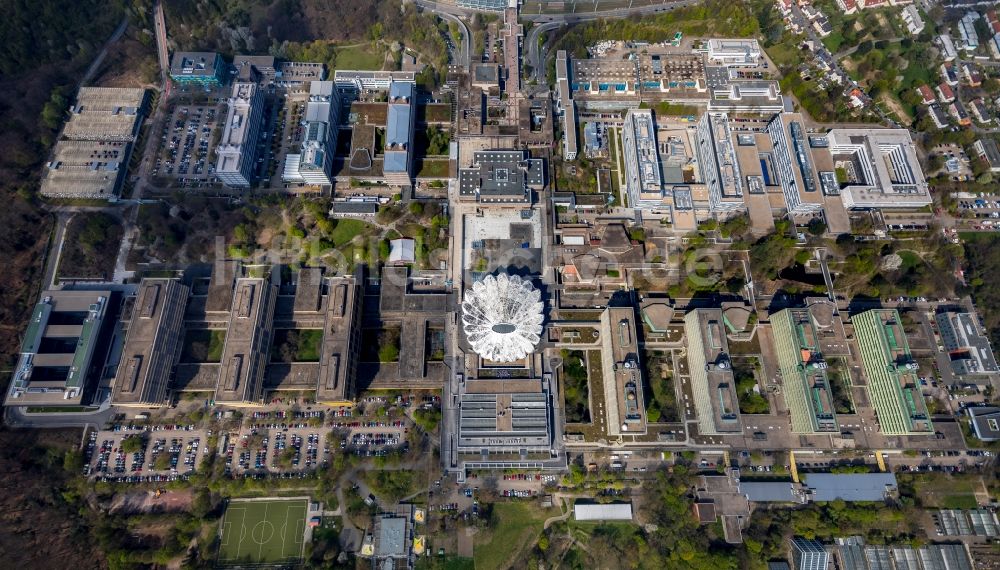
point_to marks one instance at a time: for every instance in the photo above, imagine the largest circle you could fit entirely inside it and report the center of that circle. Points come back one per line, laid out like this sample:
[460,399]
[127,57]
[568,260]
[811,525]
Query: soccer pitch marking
[256,532]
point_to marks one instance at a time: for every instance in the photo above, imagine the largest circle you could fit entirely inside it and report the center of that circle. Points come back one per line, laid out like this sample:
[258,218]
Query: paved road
[149,151]
[536,56]
[104,51]
[55,253]
[465,56]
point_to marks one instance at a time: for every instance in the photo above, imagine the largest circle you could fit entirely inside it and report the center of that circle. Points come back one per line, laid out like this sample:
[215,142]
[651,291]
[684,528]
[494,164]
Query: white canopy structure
[502,317]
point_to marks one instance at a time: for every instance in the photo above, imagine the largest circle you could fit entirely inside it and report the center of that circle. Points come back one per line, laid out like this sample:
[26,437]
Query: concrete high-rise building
[152,344]
[237,150]
[803,372]
[248,343]
[891,371]
[314,164]
[712,383]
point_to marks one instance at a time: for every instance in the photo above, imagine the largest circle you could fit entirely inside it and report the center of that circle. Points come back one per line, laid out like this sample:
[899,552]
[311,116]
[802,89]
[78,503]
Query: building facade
[237,150]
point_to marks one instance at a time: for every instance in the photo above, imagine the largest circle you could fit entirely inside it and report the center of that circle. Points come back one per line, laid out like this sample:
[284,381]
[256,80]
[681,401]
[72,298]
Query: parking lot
[293,448]
[187,142]
[163,454]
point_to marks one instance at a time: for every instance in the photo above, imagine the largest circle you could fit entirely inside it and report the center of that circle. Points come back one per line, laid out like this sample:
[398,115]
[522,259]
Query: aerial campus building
[349,79]
[808,554]
[643,179]
[739,52]
[622,372]
[59,349]
[248,341]
[793,163]
[968,348]
[567,107]
[313,165]
[237,148]
[338,364]
[398,164]
[198,68]
[882,168]
[712,382]
[152,344]
[92,160]
[891,372]
[501,177]
[803,372]
[502,317]
[718,165]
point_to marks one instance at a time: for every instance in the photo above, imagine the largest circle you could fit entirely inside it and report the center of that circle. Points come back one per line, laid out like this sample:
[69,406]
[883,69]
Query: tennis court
[261,532]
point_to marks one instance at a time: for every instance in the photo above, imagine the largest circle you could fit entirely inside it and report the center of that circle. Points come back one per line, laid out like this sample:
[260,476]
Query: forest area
[47,46]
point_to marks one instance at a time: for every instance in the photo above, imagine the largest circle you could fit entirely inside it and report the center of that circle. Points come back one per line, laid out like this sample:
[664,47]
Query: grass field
[203,345]
[946,492]
[363,57]
[263,532]
[517,527]
[346,230]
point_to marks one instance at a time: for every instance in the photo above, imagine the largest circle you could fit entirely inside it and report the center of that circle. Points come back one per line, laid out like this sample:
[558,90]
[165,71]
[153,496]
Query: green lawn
[346,230]
[946,491]
[296,345]
[202,345]
[430,168]
[263,532]
[362,57]
[517,527]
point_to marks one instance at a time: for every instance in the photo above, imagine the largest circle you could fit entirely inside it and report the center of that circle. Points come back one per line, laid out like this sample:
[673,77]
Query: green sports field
[263,532]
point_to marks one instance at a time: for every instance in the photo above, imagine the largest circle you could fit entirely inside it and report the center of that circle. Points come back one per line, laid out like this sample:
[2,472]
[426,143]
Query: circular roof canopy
[502,317]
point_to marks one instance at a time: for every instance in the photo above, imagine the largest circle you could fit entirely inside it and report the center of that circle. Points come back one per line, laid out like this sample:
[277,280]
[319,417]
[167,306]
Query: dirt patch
[148,502]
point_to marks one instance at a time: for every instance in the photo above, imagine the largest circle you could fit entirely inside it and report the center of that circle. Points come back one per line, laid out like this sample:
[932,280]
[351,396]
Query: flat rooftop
[248,337]
[622,372]
[58,348]
[105,114]
[152,343]
[86,169]
[713,385]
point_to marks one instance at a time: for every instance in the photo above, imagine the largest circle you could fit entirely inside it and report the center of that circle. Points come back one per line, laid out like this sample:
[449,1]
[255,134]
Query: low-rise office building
[882,168]
[891,371]
[198,68]
[739,52]
[968,347]
[398,163]
[237,149]
[59,348]
[152,344]
[501,177]
[712,383]
[504,424]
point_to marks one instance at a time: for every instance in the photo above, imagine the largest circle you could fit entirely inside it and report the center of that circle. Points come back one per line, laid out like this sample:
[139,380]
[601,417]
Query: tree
[816,227]
[132,444]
